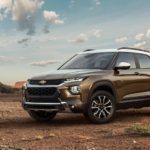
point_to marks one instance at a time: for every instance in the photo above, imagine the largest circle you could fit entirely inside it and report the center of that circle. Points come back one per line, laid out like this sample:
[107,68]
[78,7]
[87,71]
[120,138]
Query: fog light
[75,89]
[72,106]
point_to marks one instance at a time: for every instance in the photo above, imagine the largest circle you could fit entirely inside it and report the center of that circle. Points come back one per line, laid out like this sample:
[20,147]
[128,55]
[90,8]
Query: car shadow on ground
[76,120]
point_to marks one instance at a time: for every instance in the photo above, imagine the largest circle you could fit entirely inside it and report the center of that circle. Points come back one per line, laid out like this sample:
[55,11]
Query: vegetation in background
[6,89]
[143,130]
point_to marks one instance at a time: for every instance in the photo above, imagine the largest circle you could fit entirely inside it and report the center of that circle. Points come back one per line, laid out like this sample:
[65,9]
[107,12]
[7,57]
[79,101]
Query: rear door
[144,74]
[128,82]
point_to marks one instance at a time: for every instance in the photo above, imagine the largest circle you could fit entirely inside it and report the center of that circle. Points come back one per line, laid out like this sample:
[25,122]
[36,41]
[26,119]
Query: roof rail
[88,50]
[138,49]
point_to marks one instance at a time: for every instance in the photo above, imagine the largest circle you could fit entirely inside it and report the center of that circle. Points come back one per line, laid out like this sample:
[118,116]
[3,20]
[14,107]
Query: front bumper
[72,106]
[62,100]
[44,106]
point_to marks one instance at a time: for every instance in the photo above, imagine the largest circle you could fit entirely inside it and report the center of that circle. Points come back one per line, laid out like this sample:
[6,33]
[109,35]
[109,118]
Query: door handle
[136,73]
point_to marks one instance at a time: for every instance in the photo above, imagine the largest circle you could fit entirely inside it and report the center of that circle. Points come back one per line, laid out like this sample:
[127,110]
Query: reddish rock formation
[19,84]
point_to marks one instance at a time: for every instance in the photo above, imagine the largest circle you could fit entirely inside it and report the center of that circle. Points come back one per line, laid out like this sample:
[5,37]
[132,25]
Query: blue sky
[37,35]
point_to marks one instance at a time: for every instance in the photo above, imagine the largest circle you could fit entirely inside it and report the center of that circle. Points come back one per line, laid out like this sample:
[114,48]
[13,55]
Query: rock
[39,137]
[52,135]
[20,149]
[3,146]
[134,142]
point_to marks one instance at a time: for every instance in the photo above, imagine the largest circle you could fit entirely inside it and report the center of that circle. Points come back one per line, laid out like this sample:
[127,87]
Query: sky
[36,36]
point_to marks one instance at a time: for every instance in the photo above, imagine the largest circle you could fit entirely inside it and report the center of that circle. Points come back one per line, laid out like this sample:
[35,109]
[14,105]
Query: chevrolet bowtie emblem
[42,82]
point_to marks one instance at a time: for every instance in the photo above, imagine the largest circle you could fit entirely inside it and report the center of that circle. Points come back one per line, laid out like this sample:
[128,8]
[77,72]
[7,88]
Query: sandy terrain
[68,131]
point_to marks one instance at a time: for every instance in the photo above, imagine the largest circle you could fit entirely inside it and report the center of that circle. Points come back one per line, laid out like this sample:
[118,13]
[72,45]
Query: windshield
[89,61]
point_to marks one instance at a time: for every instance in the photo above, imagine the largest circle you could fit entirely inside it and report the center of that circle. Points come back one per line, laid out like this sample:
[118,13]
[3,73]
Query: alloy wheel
[101,107]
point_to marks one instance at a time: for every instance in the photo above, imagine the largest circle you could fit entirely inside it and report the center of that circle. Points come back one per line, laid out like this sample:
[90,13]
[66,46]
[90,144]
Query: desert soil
[68,131]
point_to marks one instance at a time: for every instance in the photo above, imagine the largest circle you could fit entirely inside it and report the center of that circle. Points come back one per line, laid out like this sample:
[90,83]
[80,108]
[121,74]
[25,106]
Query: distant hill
[19,84]
[11,89]
[6,89]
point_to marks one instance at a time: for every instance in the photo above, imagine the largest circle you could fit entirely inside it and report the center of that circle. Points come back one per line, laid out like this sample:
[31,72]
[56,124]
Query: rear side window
[144,60]
[126,57]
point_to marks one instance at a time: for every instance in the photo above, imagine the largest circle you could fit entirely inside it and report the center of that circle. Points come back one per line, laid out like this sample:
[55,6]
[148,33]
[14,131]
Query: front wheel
[42,115]
[100,108]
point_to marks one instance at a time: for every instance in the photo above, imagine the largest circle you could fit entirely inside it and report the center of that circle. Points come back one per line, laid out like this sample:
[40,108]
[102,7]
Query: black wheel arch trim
[103,83]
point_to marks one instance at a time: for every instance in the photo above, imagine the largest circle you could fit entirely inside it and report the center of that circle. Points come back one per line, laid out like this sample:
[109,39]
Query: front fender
[89,87]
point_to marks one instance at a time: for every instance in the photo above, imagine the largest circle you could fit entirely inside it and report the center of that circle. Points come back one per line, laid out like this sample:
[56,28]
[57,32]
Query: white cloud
[141,45]
[72,3]
[11,59]
[3,59]
[6,59]
[41,3]
[148,33]
[97,33]
[97,2]
[81,38]
[5,4]
[44,38]
[24,13]
[121,39]
[52,17]
[139,36]
[44,63]
[84,37]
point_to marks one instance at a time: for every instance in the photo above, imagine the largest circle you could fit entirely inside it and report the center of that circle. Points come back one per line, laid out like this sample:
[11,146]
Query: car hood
[64,74]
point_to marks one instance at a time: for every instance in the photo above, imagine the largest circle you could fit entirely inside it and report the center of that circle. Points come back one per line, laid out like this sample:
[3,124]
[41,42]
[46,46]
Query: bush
[143,130]
[6,89]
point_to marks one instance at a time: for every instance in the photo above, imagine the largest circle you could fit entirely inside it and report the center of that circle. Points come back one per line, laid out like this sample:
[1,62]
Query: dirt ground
[68,131]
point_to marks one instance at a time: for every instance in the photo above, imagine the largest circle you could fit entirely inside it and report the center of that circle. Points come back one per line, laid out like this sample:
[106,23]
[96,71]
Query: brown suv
[93,82]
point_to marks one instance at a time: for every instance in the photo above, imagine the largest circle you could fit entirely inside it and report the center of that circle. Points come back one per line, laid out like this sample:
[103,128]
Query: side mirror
[122,66]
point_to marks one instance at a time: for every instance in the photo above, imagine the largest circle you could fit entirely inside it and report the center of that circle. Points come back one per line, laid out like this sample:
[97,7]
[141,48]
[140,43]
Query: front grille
[41,91]
[48,82]
[59,107]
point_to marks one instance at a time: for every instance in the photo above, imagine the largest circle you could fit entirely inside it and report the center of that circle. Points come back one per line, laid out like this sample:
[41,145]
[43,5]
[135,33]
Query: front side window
[144,60]
[126,57]
[89,61]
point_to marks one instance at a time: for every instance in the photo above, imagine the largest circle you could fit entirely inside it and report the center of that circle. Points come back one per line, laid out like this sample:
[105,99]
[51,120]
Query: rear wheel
[42,115]
[101,107]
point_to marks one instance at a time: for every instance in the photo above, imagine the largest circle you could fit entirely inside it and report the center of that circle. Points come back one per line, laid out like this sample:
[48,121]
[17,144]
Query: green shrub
[143,130]
[6,89]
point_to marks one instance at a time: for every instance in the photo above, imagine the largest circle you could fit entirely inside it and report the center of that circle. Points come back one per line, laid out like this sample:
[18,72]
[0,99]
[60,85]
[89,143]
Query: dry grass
[143,130]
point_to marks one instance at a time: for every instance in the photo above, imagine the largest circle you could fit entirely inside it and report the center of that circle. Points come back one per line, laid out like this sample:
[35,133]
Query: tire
[100,108]
[42,116]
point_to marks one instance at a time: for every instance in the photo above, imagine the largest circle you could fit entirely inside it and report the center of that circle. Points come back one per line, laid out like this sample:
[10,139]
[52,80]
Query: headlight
[75,89]
[25,85]
[74,80]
